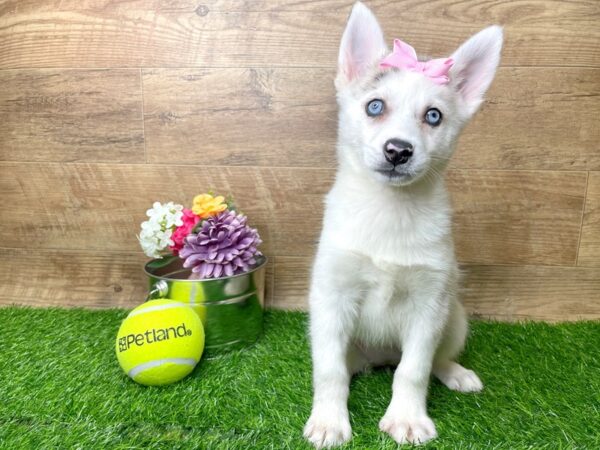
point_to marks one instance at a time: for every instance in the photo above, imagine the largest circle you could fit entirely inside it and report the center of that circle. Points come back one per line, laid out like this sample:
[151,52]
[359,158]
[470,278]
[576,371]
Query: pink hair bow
[405,57]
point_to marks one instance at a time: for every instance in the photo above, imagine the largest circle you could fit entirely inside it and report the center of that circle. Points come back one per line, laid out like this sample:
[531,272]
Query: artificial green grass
[61,387]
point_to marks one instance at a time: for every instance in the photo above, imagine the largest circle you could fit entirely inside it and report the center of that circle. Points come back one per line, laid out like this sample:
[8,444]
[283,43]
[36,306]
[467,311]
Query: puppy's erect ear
[475,64]
[362,44]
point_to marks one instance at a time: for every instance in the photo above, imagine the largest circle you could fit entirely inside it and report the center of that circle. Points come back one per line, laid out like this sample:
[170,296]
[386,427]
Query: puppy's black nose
[397,152]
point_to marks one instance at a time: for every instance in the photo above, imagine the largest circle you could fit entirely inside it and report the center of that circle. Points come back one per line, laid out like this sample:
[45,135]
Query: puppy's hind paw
[457,378]
[327,430]
[408,430]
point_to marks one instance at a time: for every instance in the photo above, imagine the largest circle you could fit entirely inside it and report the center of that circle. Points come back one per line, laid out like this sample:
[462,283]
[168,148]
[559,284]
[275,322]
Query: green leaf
[162,262]
[230,203]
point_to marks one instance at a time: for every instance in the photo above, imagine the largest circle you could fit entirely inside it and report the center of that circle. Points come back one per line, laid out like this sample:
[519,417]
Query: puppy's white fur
[384,283]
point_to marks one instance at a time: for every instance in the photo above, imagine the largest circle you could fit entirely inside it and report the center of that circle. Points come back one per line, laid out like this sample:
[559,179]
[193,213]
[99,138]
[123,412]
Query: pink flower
[189,222]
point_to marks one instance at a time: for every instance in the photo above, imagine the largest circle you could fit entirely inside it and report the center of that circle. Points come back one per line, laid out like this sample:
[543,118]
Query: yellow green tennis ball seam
[158,362]
[149,309]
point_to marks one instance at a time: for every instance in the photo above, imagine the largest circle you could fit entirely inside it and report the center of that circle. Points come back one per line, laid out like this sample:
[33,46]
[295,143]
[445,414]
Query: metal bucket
[231,308]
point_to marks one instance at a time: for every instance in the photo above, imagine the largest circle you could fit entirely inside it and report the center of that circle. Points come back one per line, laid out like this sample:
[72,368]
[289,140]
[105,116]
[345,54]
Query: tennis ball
[190,293]
[160,342]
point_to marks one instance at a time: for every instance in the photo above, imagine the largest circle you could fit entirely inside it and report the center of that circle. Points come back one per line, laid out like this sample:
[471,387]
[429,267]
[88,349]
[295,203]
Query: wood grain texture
[182,33]
[99,207]
[71,278]
[288,117]
[275,117]
[535,118]
[553,294]
[589,247]
[517,217]
[266,117]
[71,115]
[501,217]
[237,96]
[498,292]
[291,282]
[295,198]
[76,278]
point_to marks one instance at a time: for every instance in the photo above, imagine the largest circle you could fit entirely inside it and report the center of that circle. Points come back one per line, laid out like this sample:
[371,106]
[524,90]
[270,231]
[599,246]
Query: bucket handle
[159,290]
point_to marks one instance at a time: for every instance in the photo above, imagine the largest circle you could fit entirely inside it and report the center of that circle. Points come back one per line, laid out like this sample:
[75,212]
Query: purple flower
[223,246]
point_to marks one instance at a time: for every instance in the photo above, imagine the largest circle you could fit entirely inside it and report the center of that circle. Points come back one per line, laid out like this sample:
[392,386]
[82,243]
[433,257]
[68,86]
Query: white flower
[168,215]
[156,232]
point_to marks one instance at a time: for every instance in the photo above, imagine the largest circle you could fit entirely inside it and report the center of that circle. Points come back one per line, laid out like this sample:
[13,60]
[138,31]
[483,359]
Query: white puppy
[384,282]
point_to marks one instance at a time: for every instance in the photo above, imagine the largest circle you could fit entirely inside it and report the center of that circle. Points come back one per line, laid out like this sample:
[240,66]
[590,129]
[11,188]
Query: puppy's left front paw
[405,429]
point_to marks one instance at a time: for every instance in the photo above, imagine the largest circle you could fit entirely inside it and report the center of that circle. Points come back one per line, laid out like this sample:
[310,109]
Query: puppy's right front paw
[325,429]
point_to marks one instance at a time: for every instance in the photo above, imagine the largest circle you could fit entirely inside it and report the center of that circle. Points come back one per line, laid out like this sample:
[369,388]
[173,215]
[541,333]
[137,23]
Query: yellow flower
[205,205]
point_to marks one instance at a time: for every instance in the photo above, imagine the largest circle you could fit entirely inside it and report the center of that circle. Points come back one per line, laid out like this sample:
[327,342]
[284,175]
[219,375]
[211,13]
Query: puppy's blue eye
[433,117]
[375,108]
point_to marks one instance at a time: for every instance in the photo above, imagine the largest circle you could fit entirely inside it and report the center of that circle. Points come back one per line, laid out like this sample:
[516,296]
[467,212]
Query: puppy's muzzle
[397,151]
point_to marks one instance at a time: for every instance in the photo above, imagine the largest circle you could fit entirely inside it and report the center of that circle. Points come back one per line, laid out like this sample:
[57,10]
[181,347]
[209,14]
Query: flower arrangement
[212,238]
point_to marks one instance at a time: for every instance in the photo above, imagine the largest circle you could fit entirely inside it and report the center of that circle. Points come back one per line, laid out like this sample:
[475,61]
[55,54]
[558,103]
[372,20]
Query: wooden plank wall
[108,105]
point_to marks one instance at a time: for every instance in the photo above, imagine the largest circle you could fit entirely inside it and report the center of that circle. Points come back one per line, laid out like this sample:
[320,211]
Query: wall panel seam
[587,183]
[315,168]
[91,252]
[275,257]
[272,284]
[462,265]
[260,66]
[143,115]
